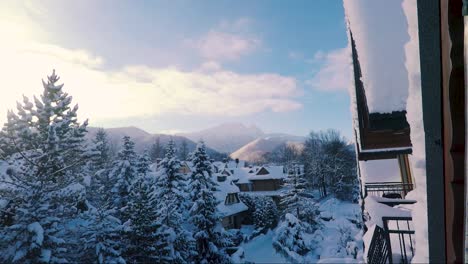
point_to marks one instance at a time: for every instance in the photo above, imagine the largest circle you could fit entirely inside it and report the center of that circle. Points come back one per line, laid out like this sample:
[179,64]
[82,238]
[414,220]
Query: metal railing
[395,239]
[396,190]
[399,227]
[379,248]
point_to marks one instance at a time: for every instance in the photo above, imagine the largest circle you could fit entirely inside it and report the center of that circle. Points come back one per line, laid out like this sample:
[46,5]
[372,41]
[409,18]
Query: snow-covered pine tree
[147,238]
[47,153]
[19,131]
[292,200]
[143,164]
[123,175]
[102,238]
[265,215]
[183,153]
[170,200]
[289,239]
[210,238]
[156,150]
[101,142]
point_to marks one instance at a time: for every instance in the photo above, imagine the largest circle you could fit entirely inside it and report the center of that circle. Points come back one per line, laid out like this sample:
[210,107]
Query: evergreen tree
[143,164]
[171,202]
[148,239]
[210,238]
[265,215]
[156,150]
[183,153]
[102,145]
[123,175]
[292,201]
[290,239]
[46,151]
[102,238]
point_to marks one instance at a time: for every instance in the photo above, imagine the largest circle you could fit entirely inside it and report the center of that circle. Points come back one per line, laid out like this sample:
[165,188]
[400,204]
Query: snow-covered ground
[343,226]
[260,250]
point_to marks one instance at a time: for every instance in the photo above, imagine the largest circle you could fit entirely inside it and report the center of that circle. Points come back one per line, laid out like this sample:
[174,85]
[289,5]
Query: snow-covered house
[409,122]
[259,180]
[231,208]
[185,167]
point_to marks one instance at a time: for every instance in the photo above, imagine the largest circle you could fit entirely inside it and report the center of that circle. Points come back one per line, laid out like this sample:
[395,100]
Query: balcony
[392,243]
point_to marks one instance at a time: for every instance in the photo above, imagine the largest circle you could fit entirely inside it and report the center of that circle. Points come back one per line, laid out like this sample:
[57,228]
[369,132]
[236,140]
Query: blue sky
[187,65]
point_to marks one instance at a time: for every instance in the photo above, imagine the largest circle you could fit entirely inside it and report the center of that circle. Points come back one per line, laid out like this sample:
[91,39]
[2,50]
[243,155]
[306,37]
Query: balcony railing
[395,190]
[401,228]
[379,248]
[394,243]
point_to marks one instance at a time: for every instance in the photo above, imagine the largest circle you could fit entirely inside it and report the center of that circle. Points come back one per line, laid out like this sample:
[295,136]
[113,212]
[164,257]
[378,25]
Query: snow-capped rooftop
[224,188]
[379,29]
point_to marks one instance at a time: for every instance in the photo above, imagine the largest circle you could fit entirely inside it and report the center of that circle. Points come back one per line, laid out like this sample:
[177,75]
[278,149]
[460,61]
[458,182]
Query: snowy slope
[260,250]
[226,137]
[331,238]
[255,150]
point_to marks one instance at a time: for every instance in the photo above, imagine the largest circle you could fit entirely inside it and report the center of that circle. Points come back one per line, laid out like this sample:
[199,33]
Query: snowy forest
[67,199]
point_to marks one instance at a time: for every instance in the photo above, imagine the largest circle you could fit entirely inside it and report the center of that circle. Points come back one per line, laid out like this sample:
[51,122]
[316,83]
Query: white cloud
[227,41]
[137,91]
[210,66]
[334,74]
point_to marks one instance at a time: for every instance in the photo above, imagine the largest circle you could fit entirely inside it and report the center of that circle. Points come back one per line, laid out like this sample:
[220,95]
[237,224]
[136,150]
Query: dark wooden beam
[431,85]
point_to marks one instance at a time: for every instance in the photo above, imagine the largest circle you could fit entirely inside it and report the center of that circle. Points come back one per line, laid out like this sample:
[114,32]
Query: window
[232,199]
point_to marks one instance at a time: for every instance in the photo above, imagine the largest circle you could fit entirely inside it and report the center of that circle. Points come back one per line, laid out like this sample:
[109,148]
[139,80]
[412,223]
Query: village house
[264,180]
[231,208]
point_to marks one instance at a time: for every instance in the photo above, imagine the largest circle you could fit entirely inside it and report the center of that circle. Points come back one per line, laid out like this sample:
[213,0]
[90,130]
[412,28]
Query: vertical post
[405,173]
[387,238]
[431,85]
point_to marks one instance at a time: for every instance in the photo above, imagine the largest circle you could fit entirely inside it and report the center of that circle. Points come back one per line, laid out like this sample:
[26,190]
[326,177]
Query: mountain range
[240,141]
[227,137]
[143,140]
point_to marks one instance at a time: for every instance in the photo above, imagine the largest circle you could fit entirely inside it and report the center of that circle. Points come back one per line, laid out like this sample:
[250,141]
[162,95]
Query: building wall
[244,187]
[266,185]
[236,221]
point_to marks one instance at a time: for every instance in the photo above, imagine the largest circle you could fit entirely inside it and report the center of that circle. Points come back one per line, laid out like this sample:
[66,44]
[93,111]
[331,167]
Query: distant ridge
[227,137]
[143,140]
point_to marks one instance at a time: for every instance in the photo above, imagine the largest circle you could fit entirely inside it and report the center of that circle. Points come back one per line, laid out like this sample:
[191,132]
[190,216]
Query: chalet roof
[269,173]
[224,188]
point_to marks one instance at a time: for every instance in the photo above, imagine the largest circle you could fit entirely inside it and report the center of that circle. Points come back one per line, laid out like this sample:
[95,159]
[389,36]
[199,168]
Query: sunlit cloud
[230,40]
[334,73]
[136,90]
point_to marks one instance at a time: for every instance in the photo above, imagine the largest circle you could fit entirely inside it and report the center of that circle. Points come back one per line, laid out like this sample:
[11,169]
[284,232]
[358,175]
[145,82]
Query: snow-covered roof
[232,209]
[248,174]
[224,188]
[274,172]
[219,165]
[275,193]
[380,42]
